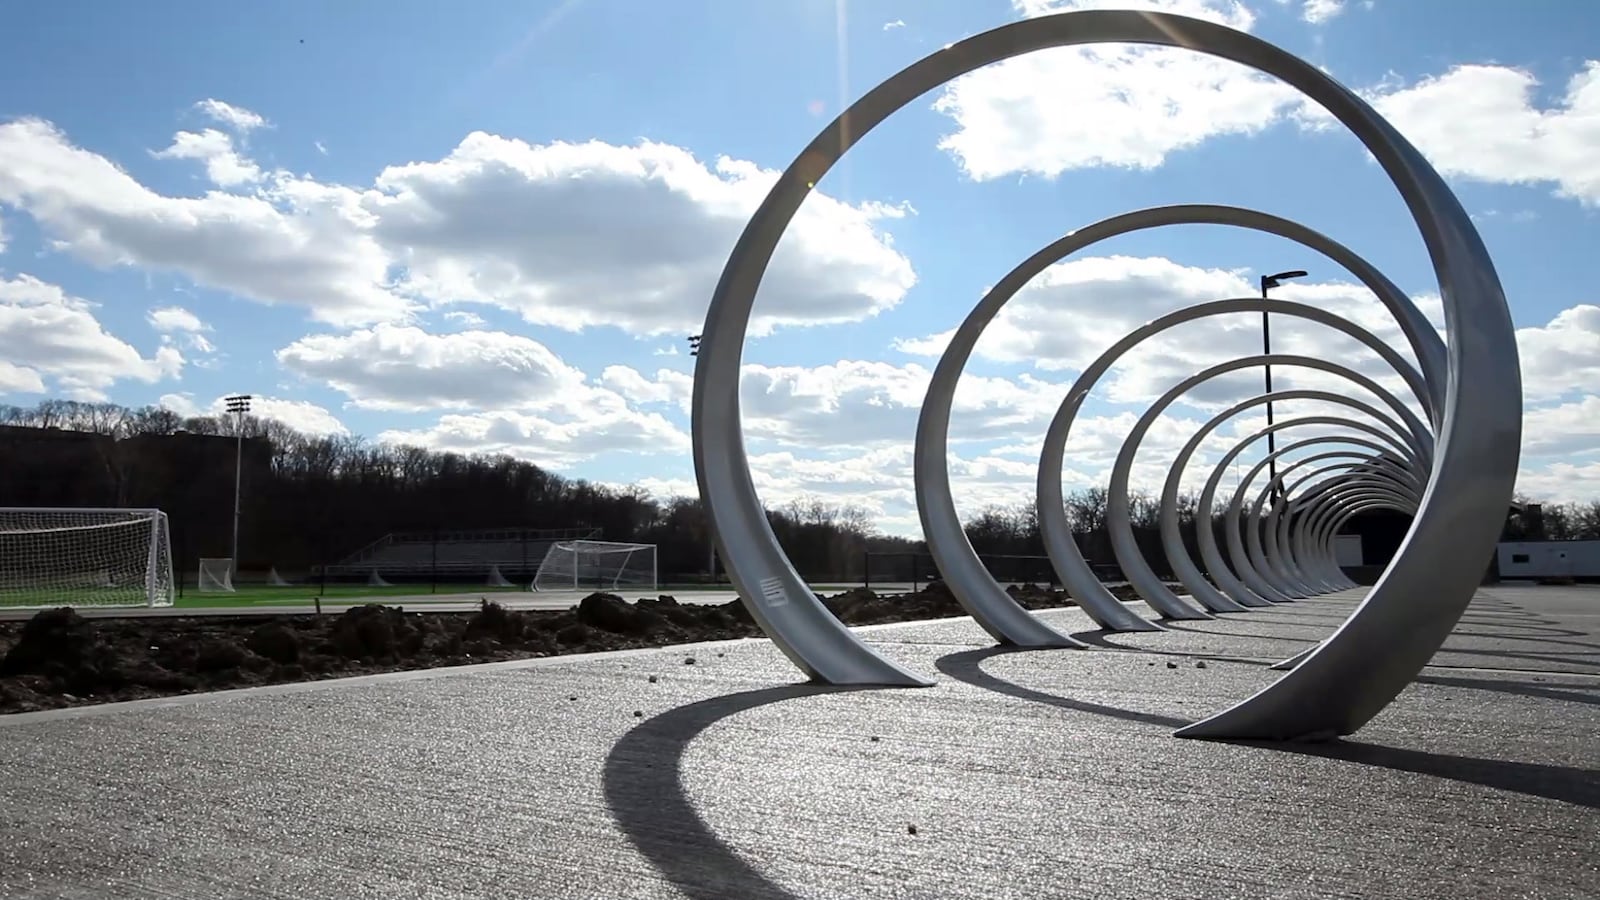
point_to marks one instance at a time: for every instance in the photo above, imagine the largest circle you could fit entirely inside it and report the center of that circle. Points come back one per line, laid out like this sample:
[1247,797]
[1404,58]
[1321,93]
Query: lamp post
[711,539]
[1272,281]
[239,405]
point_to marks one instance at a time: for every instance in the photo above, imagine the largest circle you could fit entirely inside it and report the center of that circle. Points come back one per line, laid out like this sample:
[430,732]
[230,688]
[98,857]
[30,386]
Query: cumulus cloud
[1125,106]
[315,255]
[1481,122]
[225,166]
[1563,356]
[404,368]
[52,340]
[560,437]
[1133,106]
[567,235]
[236,117]
[176,324]
[1075,310]
[301,415]
[1115,105]
[579,235]
[1319,11]
[515,395]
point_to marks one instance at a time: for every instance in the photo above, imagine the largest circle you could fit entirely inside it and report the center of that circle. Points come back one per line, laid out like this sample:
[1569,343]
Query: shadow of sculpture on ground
[643,784]
[1567,784]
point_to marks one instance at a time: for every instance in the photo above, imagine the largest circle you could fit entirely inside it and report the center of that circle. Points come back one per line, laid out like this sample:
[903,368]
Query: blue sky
[489,227]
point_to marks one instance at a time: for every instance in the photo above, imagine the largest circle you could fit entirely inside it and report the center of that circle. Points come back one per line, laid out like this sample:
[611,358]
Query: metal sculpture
[958,562]
[1466,471]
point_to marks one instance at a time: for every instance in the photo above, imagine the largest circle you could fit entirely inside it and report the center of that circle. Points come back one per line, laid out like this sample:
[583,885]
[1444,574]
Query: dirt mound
[62,647]
[59,658]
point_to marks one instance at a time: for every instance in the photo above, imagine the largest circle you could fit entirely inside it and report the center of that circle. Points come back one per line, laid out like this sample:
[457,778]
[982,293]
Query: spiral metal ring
[1454,472]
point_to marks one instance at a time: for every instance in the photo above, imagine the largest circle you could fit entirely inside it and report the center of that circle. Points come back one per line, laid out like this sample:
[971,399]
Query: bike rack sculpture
[1455,475]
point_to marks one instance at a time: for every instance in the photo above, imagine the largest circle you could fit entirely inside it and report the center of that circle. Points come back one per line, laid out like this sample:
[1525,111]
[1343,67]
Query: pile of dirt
[59,658]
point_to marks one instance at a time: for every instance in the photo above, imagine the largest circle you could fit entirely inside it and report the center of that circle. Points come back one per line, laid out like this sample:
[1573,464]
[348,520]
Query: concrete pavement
[1022,774]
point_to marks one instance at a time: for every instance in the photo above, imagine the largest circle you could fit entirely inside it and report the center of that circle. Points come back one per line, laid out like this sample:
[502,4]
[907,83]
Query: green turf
[335,594]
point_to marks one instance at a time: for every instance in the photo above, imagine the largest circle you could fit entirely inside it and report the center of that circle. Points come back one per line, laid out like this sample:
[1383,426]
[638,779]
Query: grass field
[255,595]
[300,594]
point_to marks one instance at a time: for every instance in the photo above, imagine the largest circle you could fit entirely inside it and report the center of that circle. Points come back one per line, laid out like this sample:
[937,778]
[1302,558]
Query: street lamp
[239,405]
[711,538]
[1272,281]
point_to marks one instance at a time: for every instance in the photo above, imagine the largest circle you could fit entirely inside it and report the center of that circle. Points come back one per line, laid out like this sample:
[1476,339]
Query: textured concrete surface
[1024,774]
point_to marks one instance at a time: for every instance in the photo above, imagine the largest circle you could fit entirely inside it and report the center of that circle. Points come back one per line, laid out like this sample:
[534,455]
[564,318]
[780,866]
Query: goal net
[602,565]
[72,556]
[216,576]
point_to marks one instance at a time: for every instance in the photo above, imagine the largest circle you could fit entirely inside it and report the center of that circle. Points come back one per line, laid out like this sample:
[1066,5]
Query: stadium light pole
[1267,282]
[711,537]
[239,405]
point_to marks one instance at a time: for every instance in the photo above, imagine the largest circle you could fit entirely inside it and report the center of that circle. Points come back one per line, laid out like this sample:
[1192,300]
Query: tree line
[311,500]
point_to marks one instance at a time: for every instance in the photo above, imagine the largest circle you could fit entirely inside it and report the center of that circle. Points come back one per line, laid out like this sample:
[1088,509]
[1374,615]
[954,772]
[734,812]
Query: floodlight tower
[239,405]
[711,540]
[1272,281]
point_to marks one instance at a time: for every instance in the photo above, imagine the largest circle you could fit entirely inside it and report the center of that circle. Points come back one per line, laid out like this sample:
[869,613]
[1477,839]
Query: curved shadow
[1099,639]
[967,667]
[643,784]
[1566,784]
[1234,634]
[1520,688]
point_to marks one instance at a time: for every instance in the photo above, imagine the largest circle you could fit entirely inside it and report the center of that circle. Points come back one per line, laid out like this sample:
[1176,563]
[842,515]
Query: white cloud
[15,379]
[404,368]
[897,23]
[878,481]
[1480,122]
[173,321]
[314,255]
[1129,106]
[1319,11]
[514,394]
[1073,311]
[1109,105]
[225,166]
[1564,430]
[236,117]
[175,318]
[579,235]
[301,415]
[45,333]
[667,386]
[1561,482]
[568,235]
[565,437]
[1562,357]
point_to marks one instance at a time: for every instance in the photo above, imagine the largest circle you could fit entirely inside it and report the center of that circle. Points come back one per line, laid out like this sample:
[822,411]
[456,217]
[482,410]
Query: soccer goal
[82,556]
[216,576]
[605,565]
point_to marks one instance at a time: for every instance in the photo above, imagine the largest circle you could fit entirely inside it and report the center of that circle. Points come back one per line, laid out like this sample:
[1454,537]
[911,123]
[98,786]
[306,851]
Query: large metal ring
[1404,619]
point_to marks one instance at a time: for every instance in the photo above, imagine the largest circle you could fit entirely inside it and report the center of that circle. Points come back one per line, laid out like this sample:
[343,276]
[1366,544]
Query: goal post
[598,565]
[85,557]
[215,577]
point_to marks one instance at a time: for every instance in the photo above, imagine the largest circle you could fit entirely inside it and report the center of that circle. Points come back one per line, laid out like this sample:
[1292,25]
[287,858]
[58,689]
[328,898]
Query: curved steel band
[1451,468]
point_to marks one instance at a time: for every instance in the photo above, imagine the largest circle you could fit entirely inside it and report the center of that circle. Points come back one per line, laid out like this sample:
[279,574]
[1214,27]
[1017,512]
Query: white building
[1549,559]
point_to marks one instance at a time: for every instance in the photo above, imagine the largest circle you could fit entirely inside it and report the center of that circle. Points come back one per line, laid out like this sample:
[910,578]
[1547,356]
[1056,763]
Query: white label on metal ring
[772,591]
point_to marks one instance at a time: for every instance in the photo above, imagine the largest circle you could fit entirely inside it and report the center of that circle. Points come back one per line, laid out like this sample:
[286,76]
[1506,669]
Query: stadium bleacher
[515,552]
